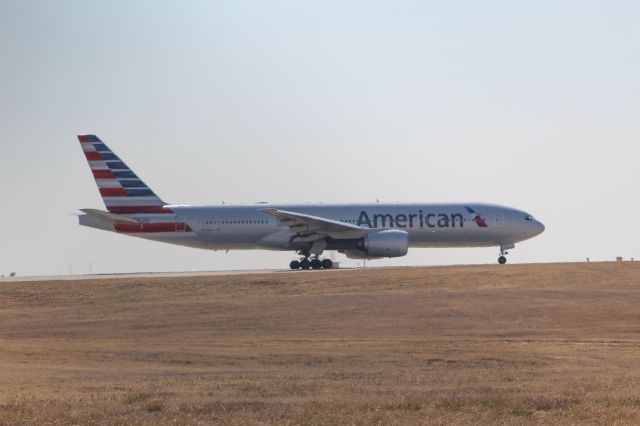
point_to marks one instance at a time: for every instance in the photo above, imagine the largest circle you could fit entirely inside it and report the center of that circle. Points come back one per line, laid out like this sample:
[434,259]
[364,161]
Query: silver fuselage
[248,227]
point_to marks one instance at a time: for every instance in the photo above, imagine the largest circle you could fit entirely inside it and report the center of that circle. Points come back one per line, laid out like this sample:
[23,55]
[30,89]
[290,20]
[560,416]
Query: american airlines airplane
[360,231]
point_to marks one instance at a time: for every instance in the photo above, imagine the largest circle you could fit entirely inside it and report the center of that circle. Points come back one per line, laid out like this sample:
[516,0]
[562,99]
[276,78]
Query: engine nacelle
[378,244]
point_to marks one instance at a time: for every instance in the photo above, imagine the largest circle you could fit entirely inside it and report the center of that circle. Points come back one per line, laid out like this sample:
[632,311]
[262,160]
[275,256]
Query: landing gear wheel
[316,264]
[305,264]
[502,260]
[327,263]
[294,264]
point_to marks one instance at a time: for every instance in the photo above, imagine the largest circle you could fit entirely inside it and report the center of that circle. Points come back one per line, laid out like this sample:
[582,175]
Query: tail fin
[122,191]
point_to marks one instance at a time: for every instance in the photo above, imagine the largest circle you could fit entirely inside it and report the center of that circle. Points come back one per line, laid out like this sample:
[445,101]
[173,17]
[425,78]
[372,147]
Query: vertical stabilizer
[121,189]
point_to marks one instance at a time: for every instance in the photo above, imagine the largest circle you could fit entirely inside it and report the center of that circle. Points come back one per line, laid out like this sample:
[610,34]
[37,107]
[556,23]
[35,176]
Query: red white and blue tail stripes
[126,194]
[122,191]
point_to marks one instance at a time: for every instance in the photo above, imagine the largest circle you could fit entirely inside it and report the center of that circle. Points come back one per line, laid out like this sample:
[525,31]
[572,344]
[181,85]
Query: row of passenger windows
[232,222]
[252,222]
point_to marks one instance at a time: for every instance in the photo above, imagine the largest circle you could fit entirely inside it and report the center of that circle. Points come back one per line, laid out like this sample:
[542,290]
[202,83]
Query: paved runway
[140,275]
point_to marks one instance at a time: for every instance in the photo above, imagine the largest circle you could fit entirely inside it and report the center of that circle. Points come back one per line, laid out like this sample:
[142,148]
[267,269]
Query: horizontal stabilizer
[111,217]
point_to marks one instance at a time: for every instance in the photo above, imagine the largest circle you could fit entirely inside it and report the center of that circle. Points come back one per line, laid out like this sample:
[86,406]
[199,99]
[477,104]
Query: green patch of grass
[541,403]
[405,406]
[135,397]
[450,404]
[502,406]
[495,404]
[520,411]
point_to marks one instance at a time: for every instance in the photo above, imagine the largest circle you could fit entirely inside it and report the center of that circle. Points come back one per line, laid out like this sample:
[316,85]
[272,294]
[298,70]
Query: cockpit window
[528,217]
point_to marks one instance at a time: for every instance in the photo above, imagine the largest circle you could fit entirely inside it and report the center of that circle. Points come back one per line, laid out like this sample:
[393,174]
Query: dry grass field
[518,344]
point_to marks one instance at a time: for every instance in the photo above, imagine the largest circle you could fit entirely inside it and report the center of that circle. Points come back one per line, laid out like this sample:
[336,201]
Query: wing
[310,227]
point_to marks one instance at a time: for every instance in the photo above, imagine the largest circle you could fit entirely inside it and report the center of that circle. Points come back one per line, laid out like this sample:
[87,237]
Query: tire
[305,264]
[316,264]
[294,264]
[502,260]
[327,263]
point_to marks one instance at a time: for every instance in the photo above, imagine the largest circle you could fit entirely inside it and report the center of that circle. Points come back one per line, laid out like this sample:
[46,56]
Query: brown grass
[519,344]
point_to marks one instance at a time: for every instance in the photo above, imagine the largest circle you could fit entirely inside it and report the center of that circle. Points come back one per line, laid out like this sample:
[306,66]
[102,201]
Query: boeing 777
[360,231]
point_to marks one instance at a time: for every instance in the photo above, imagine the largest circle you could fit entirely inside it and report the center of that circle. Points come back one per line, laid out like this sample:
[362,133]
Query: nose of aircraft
[538,228]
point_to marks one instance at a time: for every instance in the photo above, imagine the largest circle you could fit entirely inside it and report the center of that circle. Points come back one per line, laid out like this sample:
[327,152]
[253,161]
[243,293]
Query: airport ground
[514,344]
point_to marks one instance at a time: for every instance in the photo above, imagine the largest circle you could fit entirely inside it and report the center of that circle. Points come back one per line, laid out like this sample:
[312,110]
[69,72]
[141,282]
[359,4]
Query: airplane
[360,231]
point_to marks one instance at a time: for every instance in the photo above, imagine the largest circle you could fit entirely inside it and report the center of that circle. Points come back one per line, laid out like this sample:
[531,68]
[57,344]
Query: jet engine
[377,244]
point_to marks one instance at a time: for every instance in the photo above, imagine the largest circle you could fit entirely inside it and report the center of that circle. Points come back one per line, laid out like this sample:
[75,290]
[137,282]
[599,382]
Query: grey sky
[529,104]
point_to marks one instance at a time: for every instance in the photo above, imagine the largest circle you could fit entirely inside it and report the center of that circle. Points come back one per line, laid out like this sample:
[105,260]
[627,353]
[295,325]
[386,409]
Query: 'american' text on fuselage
[413,220]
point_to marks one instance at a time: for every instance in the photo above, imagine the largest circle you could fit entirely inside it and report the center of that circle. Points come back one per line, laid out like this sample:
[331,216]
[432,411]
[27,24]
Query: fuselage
[248,227]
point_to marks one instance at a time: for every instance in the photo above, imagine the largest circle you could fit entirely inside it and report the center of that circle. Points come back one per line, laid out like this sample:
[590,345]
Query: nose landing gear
[503,252]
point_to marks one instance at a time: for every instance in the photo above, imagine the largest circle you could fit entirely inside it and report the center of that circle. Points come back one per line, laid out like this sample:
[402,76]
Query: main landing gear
[315,263]
[315,250]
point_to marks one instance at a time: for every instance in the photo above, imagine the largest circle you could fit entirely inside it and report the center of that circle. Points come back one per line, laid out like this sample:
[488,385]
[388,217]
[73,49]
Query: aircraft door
[498,220]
